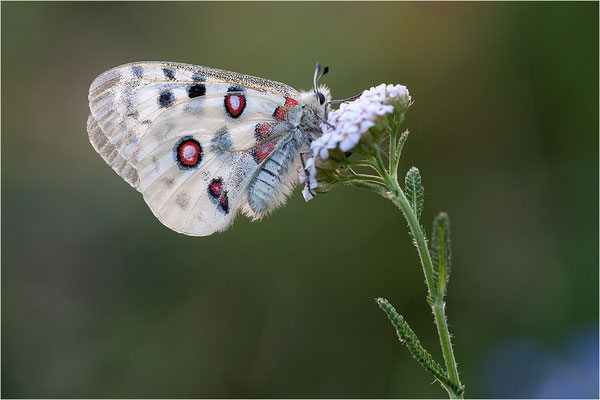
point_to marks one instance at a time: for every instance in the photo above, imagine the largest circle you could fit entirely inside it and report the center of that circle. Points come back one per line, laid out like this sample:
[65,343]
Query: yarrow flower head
[355,126]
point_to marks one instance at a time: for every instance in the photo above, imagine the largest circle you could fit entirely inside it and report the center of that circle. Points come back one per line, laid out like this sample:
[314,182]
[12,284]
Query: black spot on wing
[169,74]
[196,90]
[235,89]
[166,99]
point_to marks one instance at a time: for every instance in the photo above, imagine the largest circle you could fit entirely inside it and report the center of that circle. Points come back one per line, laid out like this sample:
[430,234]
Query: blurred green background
[101,300]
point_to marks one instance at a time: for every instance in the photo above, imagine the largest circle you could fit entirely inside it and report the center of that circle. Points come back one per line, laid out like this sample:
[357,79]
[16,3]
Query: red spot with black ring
[188,153]
[235,104]
[218,195]
[215,188]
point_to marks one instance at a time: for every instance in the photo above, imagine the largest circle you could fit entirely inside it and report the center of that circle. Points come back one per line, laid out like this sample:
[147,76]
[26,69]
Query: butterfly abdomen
[273,181]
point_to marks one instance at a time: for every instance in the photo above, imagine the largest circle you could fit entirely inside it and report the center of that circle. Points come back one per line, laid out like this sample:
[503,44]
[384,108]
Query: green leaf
[409,338]
[440,252]
[414,190]
[401,142]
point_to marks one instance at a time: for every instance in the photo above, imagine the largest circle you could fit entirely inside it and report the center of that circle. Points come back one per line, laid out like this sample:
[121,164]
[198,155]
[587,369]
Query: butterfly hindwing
[193,177]
[190,139]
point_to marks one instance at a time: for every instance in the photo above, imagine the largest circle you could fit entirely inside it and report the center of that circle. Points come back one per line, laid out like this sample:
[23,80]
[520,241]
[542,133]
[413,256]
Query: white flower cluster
[345,127]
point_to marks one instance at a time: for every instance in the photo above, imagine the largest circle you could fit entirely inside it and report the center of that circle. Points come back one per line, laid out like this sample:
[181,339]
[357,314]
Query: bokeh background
[100,300]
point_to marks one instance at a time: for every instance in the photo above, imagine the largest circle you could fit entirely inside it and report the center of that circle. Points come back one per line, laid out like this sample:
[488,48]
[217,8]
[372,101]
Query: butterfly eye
[321,98]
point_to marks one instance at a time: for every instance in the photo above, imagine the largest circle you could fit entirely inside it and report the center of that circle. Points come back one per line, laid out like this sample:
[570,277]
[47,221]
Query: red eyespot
[215,188]
[188,153]
[235,104]
[218,195]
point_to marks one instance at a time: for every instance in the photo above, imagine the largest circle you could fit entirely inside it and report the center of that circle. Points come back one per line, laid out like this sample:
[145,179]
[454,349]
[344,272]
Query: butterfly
[202,144]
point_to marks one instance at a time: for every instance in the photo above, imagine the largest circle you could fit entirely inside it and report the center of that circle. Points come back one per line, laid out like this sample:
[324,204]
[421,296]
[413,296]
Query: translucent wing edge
[109,152]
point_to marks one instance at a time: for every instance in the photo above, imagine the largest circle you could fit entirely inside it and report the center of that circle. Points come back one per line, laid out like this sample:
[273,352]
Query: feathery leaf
[401,142]
[440,252]
[414,190]
[409,338]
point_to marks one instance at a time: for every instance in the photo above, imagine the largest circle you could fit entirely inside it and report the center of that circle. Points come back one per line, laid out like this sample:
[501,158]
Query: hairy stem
[437,303]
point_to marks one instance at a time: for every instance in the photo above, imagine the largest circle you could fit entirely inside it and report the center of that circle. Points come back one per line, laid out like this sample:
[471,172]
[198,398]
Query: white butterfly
[199,143]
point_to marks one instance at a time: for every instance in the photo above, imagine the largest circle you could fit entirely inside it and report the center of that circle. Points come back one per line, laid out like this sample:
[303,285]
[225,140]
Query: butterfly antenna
[316,78]
[318,75]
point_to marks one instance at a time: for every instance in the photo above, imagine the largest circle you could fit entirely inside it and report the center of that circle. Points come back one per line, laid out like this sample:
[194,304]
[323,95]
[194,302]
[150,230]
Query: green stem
[364,177]
[436,302]
[393,143]
[394,153]
[366,185]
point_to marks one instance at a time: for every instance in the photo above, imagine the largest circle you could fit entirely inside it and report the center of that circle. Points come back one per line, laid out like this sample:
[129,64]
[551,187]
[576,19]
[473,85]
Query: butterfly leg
[324,120]
[306,182]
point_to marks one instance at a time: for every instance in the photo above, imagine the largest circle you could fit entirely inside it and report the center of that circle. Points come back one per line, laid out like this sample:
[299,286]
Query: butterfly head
[317,98]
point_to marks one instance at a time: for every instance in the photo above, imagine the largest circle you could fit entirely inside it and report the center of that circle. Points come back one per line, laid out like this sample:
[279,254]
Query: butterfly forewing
[189,138]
